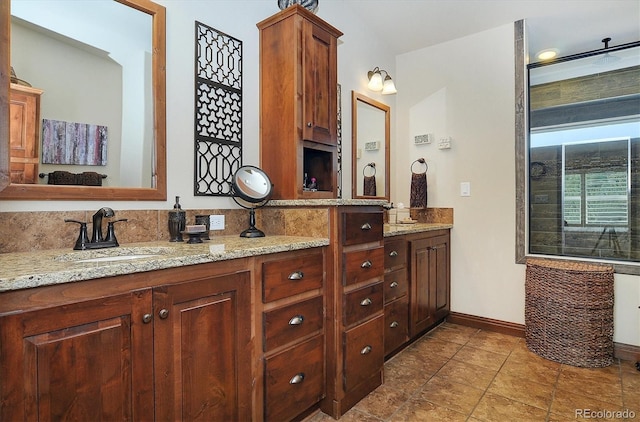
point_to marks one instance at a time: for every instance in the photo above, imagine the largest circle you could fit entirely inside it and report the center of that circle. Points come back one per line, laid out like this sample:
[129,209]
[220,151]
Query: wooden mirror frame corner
[158,191]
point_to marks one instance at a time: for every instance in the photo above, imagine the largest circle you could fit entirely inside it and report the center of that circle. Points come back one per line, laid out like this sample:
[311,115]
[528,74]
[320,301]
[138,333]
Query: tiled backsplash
[40,230]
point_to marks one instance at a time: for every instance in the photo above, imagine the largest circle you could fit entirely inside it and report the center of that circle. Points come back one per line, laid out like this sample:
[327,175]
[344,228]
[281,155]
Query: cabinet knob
[146,318]
[394,324]
[365,350]
[297,379]
[366,264]
[163,314]
[296,275]
[309,124]
[393,254]
[296,320]
[393,284]
[365,302]
[365,226]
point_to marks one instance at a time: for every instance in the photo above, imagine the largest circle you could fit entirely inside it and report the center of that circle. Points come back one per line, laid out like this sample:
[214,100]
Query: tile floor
[457,373]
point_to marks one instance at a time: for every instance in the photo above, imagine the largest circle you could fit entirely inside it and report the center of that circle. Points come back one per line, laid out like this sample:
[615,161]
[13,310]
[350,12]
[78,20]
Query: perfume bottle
[177,222]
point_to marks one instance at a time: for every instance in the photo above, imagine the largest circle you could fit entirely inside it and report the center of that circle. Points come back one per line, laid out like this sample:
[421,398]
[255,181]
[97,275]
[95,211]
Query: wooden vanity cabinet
[24,136]
[291,302]
[164,345]
[355,319]
[298,103]
[396,294]
[430,280]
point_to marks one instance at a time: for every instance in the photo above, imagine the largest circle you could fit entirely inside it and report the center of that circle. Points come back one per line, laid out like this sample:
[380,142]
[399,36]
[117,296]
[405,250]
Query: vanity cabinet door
[91,360]
[430,282]
[203,349]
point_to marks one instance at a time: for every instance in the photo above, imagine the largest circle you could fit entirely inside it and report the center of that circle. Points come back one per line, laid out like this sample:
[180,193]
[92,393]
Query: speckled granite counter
[399,229]
[32,269]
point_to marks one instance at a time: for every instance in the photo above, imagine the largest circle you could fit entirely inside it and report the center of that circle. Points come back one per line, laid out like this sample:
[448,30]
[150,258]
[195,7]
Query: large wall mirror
[94,72]
[371,134]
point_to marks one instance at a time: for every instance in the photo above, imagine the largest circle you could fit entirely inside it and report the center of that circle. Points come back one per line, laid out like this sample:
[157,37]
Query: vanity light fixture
[377,83]
[606,58]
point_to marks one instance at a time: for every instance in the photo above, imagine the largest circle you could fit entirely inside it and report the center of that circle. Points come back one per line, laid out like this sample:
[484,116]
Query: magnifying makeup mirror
[251,185]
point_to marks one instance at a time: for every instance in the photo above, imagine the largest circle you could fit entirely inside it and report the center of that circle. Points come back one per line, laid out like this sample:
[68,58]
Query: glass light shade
[389,87]
[375,81]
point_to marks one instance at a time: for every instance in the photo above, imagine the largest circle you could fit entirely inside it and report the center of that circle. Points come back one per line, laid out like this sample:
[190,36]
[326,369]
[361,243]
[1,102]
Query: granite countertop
[399,229]
[25,270]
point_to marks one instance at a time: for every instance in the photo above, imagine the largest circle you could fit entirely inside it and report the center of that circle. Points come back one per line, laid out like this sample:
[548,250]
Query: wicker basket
[569,312]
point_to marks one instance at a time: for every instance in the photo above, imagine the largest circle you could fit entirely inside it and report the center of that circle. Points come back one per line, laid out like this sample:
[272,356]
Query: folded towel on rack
[87,178]
[61,178]
[418,197]
[369,188]
[90,178]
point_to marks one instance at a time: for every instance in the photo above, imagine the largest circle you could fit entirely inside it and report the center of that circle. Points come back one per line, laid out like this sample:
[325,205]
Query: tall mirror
[370,144]
[82,104]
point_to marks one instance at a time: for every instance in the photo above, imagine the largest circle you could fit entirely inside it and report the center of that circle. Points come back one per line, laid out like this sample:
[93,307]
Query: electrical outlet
[216,222]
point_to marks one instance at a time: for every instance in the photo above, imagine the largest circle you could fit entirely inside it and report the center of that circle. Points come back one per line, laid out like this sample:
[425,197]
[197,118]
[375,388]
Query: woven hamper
[569,312]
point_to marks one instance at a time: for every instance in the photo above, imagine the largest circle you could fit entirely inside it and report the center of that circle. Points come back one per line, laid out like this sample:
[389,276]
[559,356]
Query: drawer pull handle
[146,318]
[366,264]
[297,379]
[365,350]
[296,320]
[394,324]
[393,284]
[393,254]
[296,275]
[365,302]
[365,226]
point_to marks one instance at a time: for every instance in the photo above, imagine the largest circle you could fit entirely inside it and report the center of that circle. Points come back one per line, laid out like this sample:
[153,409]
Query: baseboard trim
[620,350]
[488,324]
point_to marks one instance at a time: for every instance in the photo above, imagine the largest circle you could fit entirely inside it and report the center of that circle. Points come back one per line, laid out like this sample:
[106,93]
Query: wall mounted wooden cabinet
[298,103]
[24,135]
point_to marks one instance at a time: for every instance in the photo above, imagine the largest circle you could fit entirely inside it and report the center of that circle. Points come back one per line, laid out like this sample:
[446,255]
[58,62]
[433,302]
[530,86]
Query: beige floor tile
[591,383]
[493,342]
[540,372]
[431,345]
[479,357]
[452,395]
[499,409]
[355,415]
[427,362]
[568,404]
[421,410]
[629,366]
[522,390]
[383,401]
[467,373]
[404,378]
[611,372]
[522,354]
[453,333]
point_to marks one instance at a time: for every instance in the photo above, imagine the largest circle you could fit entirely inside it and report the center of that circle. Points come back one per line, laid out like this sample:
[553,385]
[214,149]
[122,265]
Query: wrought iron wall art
[339,149]
[218,111]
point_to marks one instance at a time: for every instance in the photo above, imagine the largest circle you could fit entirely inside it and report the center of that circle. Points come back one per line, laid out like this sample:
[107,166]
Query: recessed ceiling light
[547,54]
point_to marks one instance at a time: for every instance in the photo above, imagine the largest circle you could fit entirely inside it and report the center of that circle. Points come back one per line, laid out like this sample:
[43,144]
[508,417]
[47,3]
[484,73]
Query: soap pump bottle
[177,222]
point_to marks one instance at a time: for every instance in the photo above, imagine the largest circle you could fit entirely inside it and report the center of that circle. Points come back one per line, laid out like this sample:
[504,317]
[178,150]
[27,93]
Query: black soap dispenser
[177,222]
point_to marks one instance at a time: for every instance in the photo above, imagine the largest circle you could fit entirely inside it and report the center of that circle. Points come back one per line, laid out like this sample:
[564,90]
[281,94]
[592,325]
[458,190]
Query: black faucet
[97,241]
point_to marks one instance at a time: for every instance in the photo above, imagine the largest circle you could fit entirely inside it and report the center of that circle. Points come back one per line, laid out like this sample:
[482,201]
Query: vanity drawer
[287,277]
[363,265]
[395,253]
[362,303]
[363,352]
[289,323]
[362,227]
[294,380]
[395,285]
[396,325]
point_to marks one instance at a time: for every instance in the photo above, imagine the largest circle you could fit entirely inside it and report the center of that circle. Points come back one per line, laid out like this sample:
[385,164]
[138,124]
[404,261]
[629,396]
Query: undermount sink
[113,254]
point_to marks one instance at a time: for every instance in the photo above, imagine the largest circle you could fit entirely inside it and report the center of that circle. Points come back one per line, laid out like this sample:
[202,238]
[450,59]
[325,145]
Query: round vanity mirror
[251,185]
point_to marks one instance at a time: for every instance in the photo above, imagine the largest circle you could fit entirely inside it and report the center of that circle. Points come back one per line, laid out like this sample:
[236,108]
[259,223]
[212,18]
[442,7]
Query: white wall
[464,90]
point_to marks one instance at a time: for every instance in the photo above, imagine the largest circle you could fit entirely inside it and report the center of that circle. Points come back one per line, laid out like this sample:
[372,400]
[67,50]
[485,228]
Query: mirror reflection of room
[84,94]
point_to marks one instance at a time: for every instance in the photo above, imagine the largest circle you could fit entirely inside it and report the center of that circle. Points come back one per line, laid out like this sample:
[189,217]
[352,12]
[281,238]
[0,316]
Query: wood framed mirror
[370,137]
[151,185]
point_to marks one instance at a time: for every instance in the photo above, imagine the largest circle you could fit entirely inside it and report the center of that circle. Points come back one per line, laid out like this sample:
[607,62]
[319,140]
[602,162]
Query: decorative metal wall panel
[218,111]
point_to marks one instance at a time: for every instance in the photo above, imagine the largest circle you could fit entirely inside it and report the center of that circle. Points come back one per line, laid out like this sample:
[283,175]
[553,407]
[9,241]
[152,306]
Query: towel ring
[421,161]
[373,169]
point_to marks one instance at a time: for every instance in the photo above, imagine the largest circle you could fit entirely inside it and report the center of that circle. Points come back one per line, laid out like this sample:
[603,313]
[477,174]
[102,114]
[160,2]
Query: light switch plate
[423,139]
[216,222]
[444,143]
[465,189]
